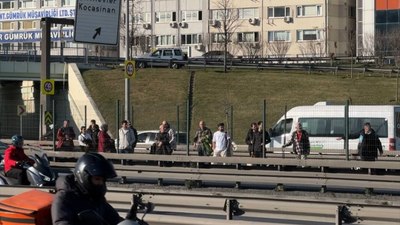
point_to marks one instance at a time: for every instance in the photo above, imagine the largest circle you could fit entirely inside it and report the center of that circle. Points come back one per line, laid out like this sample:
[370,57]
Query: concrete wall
[79,97]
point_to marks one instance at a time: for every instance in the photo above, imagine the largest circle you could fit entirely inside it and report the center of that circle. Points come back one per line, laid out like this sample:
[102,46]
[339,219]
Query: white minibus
[324,123]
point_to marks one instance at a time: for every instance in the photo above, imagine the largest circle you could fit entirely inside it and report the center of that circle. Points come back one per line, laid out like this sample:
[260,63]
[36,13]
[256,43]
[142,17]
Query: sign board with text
[47,86]
[97,21]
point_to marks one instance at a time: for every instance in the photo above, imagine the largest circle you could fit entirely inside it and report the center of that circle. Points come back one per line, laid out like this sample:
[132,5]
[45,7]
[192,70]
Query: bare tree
[394,41]
[368,48]
[250,49]
[382,45]
[228,18]
[312,48]
[351,46]
[278,48]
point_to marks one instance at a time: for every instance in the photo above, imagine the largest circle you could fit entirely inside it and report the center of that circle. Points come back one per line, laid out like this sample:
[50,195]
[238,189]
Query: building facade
[262,28]
[253,28]
[378,27]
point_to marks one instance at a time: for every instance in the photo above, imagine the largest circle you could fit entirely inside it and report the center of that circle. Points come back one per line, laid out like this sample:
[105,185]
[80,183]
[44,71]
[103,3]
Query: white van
[325,123]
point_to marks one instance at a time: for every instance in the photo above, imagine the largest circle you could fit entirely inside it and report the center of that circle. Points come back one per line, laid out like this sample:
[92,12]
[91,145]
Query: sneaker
[249,164]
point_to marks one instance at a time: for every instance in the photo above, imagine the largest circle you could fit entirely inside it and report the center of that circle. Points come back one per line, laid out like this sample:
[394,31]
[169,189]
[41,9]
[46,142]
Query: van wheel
[141,65]
[175,66]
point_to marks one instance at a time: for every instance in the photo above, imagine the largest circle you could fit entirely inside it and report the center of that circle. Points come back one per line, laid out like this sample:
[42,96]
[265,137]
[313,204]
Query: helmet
[89,165]
[17,141]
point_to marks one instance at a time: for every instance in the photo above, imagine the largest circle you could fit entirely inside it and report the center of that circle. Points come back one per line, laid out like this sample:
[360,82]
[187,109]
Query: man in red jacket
[14,157]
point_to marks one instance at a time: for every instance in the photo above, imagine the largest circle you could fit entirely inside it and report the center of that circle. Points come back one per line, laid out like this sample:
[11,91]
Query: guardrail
[202,208]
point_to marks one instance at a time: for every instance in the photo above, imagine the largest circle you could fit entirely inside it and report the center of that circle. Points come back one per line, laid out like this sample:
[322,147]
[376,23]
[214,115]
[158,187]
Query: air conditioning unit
[173,24]
[214,23]
[183,24]
[270,21]
[146,26]
[253,21]
[198,47]
[287,19]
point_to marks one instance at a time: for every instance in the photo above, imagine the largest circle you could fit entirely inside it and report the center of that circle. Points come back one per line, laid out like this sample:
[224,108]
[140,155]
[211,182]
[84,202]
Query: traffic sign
[48,118]
[47,87]
[21,110]
[97,22]
[130,70]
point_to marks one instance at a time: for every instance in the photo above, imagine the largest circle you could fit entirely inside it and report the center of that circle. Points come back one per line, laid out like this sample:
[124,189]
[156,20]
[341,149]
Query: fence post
[263,127]
[117,125]
[228,209]
[338,218]
[231,123]
[284,131]
[187,127]
[54,124]
[177,124]
[346,130]
[85,116]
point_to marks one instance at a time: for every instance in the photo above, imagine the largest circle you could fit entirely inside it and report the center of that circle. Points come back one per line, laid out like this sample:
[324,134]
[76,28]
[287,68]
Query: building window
[309,10]
[27,4]
[7,5]
[165,40]
[219,14]
[26,24]
[187,39]
[248,13]
[248,37]
[68,2]
[280,11]
[192,15]
[7,25]
[217,38]
[278,35]
[308,35]
[48,3]
[165,17]
[142,18]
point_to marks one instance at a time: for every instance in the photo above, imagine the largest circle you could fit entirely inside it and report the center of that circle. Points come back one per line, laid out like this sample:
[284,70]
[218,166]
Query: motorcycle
[91,217]
[39,174]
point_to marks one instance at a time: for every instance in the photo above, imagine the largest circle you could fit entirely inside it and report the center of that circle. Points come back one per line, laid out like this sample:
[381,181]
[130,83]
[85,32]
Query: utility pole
[127,81]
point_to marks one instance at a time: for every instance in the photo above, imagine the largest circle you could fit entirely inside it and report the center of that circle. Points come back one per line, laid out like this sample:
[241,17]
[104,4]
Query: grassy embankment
[155,94]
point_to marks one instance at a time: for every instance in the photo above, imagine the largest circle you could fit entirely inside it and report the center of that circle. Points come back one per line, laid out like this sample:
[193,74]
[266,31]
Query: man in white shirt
[126,138]
[220,141]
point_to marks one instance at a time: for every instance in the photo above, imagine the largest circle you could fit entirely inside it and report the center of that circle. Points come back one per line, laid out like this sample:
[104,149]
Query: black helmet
[93,164]
[17,141]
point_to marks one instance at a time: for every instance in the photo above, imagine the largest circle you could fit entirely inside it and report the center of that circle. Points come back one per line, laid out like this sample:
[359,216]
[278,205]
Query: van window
[334,127]
[167,53]
[279,128]
[177,52]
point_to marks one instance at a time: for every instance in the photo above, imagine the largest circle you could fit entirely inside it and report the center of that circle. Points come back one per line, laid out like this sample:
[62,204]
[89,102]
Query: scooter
[90,217]
[39,174]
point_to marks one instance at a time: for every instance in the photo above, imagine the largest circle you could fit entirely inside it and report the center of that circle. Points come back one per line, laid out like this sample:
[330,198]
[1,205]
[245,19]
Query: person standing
[126,138]
[65,137]
[162,144]
[220,141]
[85,140]
[171,136]
[135,134]
[83,191]
[254,141]
[300,141]
[94,130]
[14,158]
[105,144]
[203,140]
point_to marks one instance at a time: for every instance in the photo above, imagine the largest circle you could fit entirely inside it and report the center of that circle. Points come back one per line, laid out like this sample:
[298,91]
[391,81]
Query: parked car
[149,136]
[214,56]
[163,57]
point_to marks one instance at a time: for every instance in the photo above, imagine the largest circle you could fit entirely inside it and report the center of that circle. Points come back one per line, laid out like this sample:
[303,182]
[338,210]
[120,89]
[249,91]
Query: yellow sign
[48,118]
[47,87]
[130,70]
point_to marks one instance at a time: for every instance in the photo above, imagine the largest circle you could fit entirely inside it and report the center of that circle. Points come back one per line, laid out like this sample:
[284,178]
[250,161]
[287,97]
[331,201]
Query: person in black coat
[254,141]
[85,190]
[369,143]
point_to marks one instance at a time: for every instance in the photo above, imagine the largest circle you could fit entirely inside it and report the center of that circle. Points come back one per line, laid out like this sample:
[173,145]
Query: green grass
[155,94]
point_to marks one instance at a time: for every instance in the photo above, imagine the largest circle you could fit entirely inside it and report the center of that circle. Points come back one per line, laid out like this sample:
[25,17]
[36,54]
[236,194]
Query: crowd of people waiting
[207,143]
